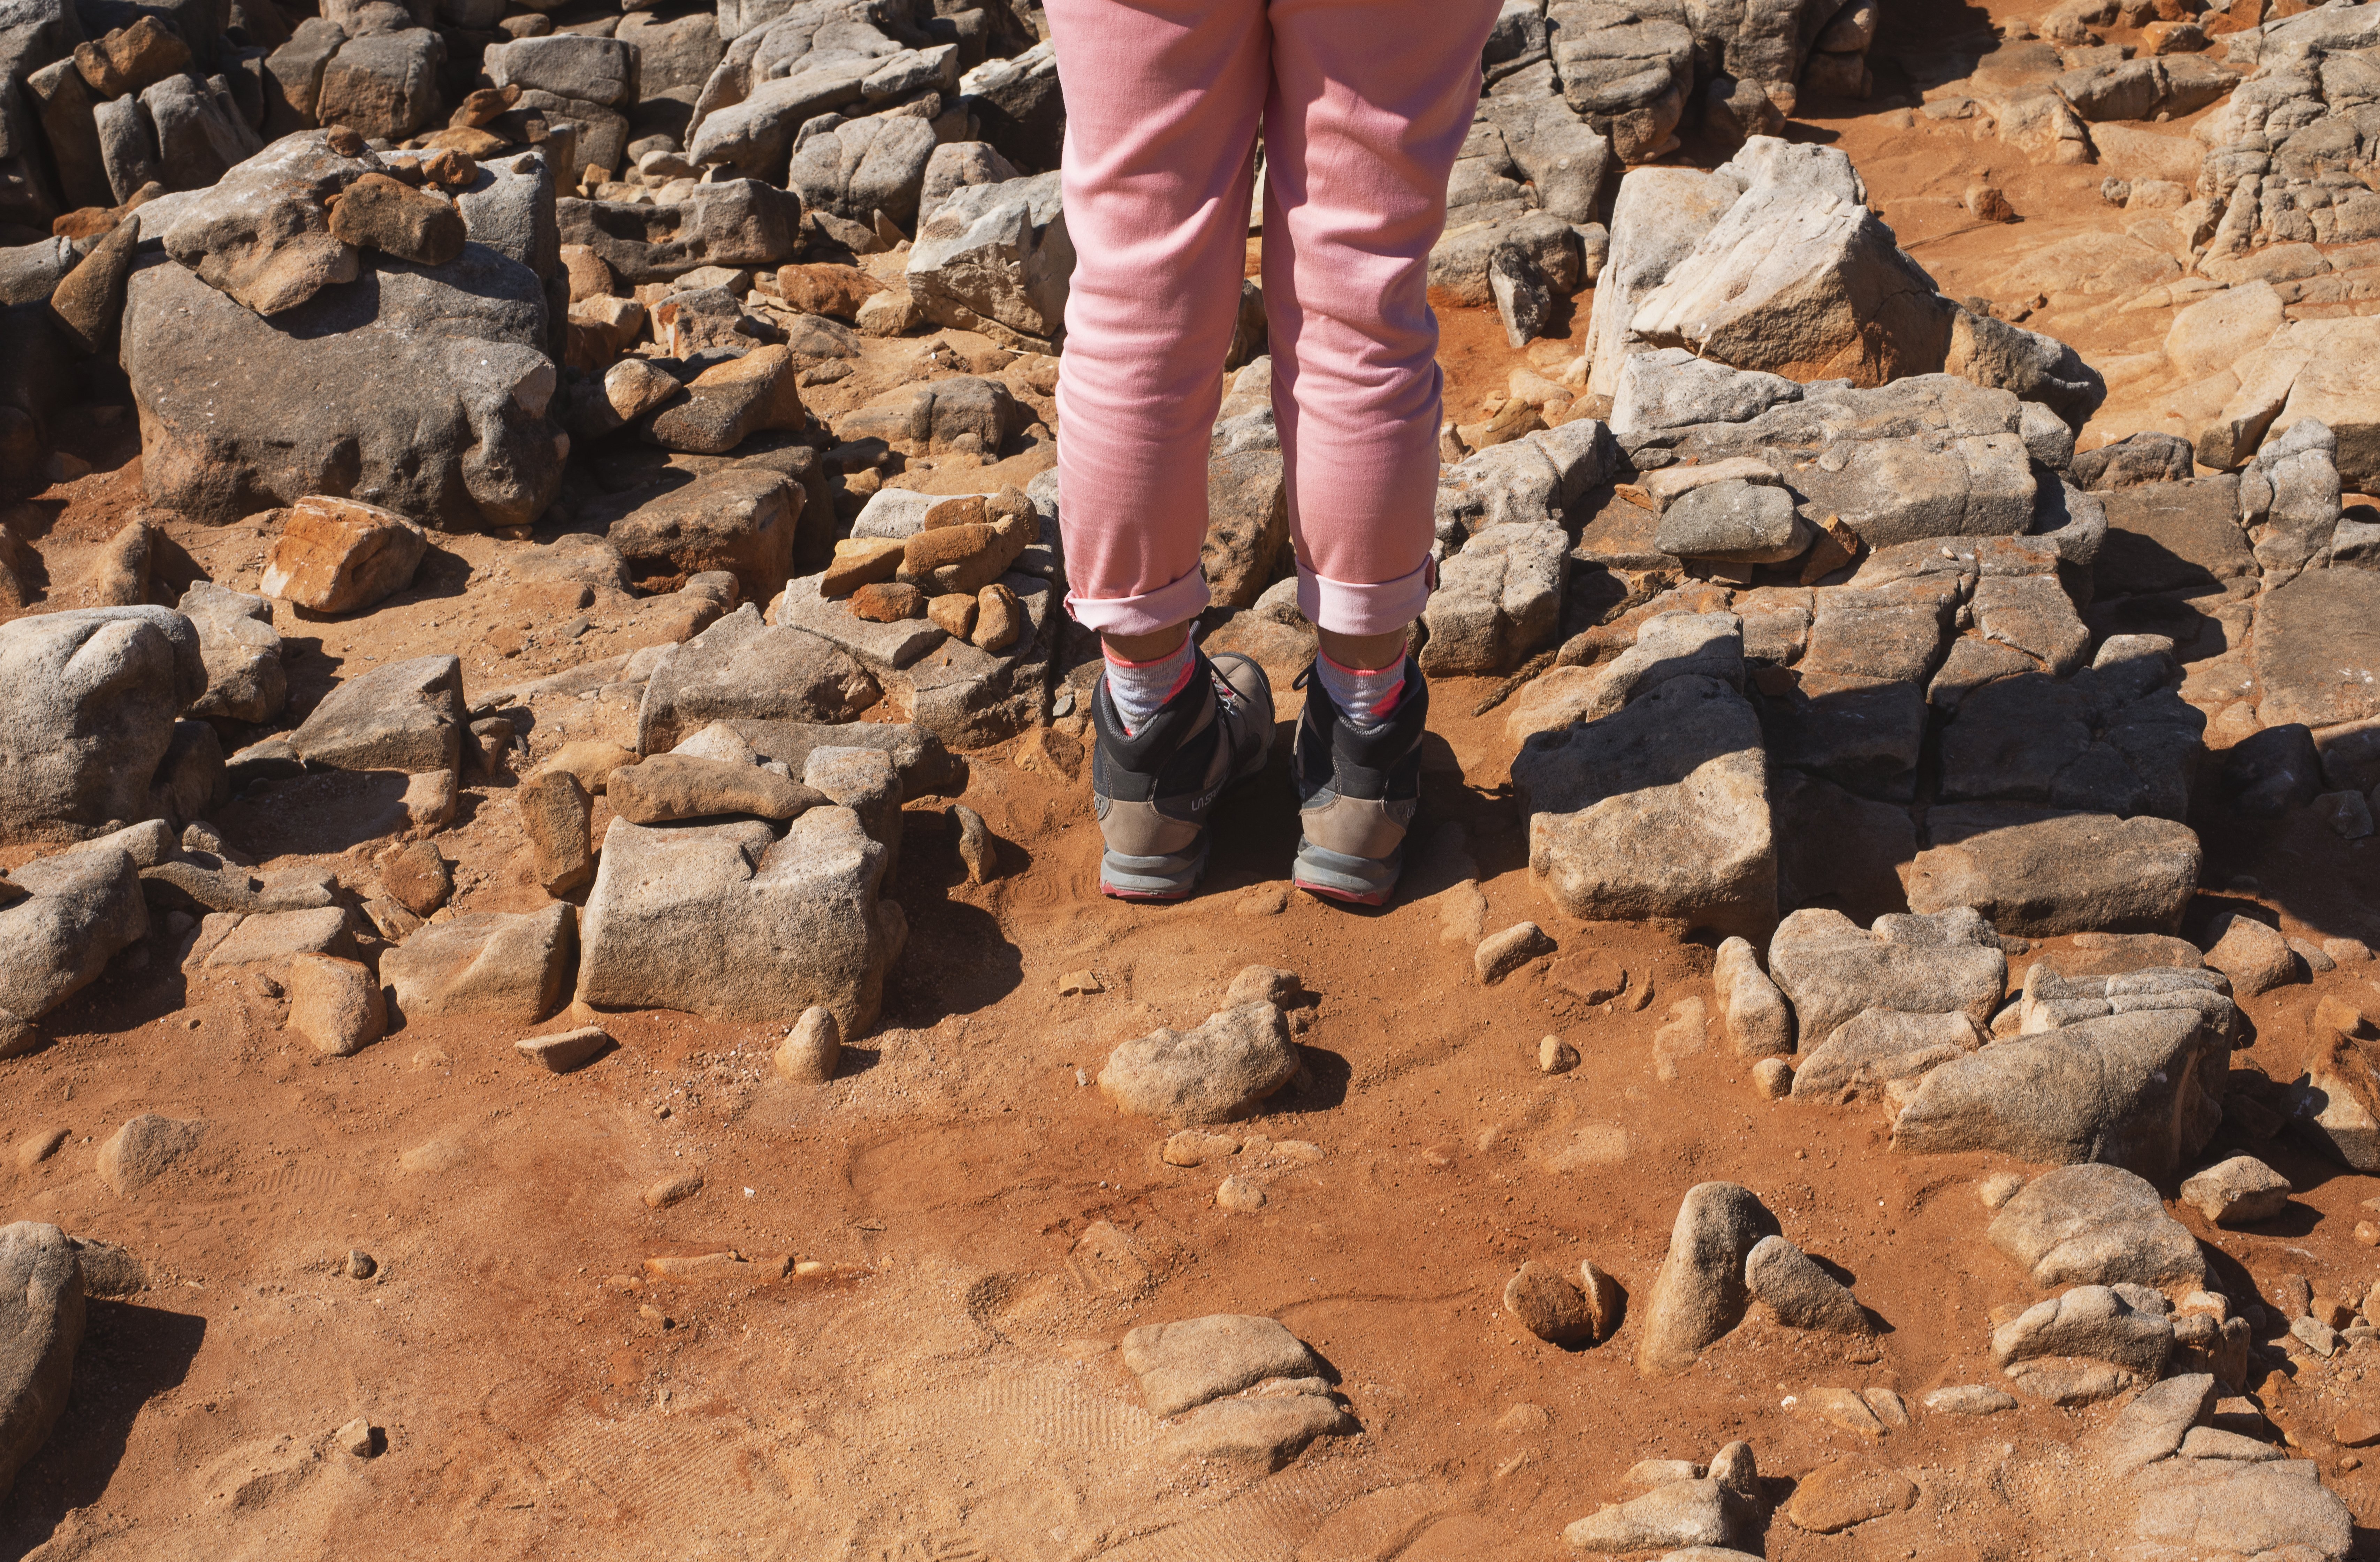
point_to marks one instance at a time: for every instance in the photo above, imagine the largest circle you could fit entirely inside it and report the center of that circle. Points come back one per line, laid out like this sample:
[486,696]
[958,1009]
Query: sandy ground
[946,1387]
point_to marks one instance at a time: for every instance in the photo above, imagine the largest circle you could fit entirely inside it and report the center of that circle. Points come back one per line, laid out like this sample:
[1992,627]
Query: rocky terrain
[553,1000]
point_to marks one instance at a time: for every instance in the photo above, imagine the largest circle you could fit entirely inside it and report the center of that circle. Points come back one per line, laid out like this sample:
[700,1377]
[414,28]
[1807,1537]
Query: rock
[41,1328]
[2096,1225]
[724,405]
[733,223]
[1691,1514]
[1839,1495]
[598,70]
[78,908]
[1500,954]
[1239,1195]
[2315,646]
[2221,1509]
[414,876]
[1549,1307]
[2242,1190]
[2251,953]
[812,1048]
[2154,1424]
[382,213]
[1556,1055]
[230,941]
[730,922]
[1798,277]
[144,1149]
[978,852]
[673,1190]
[554,809]
[496,965]
[1969,1399]
[335,1004]
[89,697]
[996,259]
[426,392]
[1211,1075]
[1865,1057]
[246,680]
[1758,1023]
[743,669]
[680,786]
[740,520]
[1182,1365]
[1659,811]
[399,715]
[1803,1295]
[2044,872]
[1831,971]
[1735,522]
[1498,599]
[2138,1090]
[563,1050]
[1266,1430]
[2092,1323]
[859,167]
[1701,1293]
[1264,984]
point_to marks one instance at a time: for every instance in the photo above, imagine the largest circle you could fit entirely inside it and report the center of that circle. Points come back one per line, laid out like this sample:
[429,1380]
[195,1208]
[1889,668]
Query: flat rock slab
[144,1149]
[741,669]
[1832,971]
[2239,1192]
[400,716]
[1684,1513]
[497,965]
[2042,872]
[1267,1430]
[2133,1090]
[1659,811]
[41,1327]
[1836,1496]
[1879,1046]
[2317,648]
[565,1051]
[1211,1075]
[2218,1507]
[2096,1225]
[1182,1365]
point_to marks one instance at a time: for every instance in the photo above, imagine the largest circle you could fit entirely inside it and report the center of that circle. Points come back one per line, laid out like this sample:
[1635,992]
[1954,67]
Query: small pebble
[1079,984]
[360,1265]
[1238,1193]
[1773,1077]
[673,1190]
[1556,1055]
[1999,1188]
[356,1436]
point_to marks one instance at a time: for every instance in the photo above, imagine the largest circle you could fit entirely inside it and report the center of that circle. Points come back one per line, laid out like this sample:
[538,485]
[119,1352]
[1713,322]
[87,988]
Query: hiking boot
[1356,792]
[1154,788]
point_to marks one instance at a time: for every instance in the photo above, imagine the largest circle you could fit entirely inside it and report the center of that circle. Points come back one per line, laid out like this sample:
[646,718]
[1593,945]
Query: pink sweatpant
[1365,105]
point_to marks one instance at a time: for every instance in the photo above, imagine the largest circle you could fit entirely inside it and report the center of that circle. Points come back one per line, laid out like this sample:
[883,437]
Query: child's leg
[1361,131]
[1163,98]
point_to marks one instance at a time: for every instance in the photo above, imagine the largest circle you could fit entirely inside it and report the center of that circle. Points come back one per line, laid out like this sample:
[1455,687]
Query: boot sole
[1151,878]
[1364,881]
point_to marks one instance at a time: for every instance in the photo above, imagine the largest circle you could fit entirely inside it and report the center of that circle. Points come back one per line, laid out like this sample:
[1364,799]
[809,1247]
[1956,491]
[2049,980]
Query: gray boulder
[730,922]
[425,393]
[382,85]
[1659,811]
[2143,1091]
[1701,1293]
[1264,1431]
[1863,1055]
[1624,72]
[2241,1191]
[1497,600]
[955,165]
[1734,522]
[1832,972]
[1182,1365]
[88,702]
[1803,1295]
[1214,1074]
[198,139]
[859,167]
[728,222]
[598,70]
[41,1328]
[78,908]
[1530,481]
[2040,1348]
[2096,1225]
[399,715]
[494,965]
[996,259]
[246,680]
[2043,872]
[1656,218]
[2226,1508]
[263,233]
[744,670]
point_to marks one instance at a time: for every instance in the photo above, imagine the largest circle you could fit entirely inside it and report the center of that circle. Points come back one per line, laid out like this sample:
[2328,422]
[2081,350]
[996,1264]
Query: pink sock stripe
[1115,660]
[1393,665]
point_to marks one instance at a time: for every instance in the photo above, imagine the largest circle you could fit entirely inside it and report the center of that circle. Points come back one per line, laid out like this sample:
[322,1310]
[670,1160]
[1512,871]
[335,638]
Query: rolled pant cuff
[1175,602]
[1347,607]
